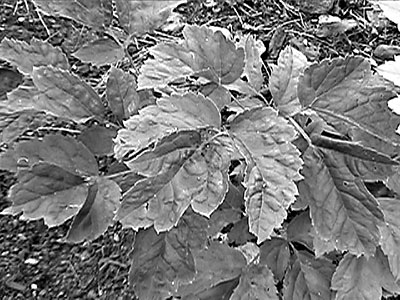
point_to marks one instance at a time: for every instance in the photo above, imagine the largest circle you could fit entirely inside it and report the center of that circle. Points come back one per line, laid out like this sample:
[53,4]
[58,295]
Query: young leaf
[363,278]
[138,17]
[346,94]
[257,282]
[342,209]
[275,254]
[309,278]
[216,264]
[98,139]
[93,13]
[97,213]
[122,97]
[49,192]
[38,53]
[181,176]
[176,112]
[284,80]
[100,52]
[160,264]
[273,166]
[59,150]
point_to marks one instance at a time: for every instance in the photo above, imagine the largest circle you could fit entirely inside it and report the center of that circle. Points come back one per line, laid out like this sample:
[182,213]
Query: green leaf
[203,53]
[363,278]
[214,265]
[56,92]
[181,176]
[239,234]
[138,17]
[97,213]
[98,139]
[160,264]
[121,92]
[284,80]
[346,94]
[275,254]
[273,165]
[59,150]
[309,278]
[342,209]
[390,231]
[173,113]
[38,53]
[10,79]
[100,52]
[49,192]
[257,282]
[93,13]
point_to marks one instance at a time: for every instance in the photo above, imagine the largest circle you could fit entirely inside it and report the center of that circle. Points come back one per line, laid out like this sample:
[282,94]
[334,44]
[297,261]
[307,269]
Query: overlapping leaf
[275,253]
[94,13]
[38,53]
[141,16]
[181,174]
[346,94]
[98,139]
[284,80]
[122,97]
[49,192]
[160,263]
[177,112]
[97,213]
[363,278]
[100,52]
[273,167]
[342,209]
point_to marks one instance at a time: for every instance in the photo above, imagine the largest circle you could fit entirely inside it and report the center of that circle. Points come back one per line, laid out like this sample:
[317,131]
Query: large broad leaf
[346,94]
[390,231]
[98,139]
[100,52]
[173,113]
[342,209]
[38,53]
[160,263]
[94,13]
[309,278]
[216,264]
[97,213]
[138,17]
[49,192]
[273,167]
[275,253]
[257,282]
[284,79]
[363,278]
[391,71]
[63,151]
[181,174]
[122,97]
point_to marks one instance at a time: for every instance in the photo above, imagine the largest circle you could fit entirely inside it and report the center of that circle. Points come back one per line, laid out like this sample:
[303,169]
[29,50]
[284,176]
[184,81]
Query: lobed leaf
[273,166]
[35,54]
[93,13]
[100,52]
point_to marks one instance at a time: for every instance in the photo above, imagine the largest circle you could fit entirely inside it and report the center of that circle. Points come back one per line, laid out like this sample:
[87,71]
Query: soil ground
[34,262]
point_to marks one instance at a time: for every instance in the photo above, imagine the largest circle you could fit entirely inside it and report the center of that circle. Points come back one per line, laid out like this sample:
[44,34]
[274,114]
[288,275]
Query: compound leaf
[173,113]
[38,53]
[121,92]
[257,282]
[49,192]
[342,209]
[273,167]
[94,13]
[309,278]
[138,17]
[160,263]
[97,213]
[284,80]
[59,150]
[100,52]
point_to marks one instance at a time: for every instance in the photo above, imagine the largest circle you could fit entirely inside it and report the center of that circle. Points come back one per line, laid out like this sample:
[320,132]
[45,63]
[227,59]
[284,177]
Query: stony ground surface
[34,262]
